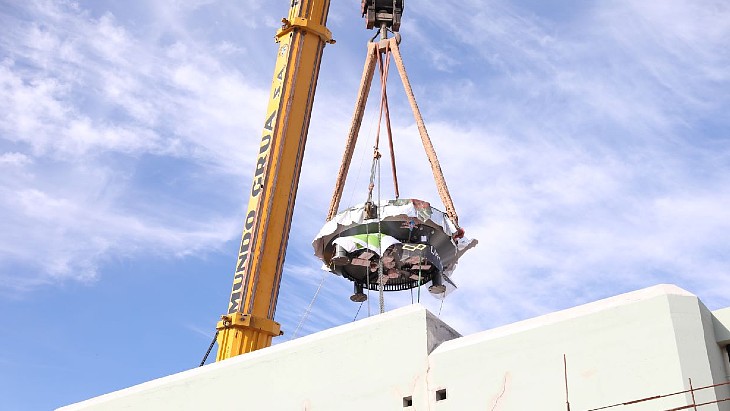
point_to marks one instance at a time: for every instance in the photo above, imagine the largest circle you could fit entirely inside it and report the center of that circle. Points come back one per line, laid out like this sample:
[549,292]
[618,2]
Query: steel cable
[309,307]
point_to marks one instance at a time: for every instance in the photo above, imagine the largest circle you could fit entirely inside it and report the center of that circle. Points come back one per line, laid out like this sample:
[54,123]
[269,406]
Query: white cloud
[14,159]
[587,155]
[84,95]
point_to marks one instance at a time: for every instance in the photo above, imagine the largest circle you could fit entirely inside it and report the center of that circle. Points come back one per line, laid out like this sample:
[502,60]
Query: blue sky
[586,146]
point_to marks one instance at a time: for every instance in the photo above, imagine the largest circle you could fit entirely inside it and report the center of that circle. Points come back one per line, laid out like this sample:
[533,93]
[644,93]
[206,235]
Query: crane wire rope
[367,274]
[381,279]
[438,174]
[374,53]
[383,63]
[355,126]
[375,170]
[358,311]
[385,108]
[383,66]
[309,307]
[369,203]
[210,348]
[362,159]
[350,203]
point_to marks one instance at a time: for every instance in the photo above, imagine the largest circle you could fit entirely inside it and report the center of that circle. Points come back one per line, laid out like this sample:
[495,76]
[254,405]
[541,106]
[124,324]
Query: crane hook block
[382,12]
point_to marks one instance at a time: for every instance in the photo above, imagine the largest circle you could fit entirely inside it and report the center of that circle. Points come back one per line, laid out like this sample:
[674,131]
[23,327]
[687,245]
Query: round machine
[406,241]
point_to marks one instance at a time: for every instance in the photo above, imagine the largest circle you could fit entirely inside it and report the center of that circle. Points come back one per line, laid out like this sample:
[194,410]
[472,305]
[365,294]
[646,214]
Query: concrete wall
[636,345]
[625,348]
[721,328]
[371,364]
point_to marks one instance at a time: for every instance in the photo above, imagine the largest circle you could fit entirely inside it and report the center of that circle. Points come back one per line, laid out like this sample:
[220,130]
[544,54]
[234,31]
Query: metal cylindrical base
[358,296]
[340,257]
[437,285]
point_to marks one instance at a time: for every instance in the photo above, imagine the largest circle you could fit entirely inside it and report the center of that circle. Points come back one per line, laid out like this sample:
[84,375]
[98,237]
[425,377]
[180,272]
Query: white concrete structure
[637,345]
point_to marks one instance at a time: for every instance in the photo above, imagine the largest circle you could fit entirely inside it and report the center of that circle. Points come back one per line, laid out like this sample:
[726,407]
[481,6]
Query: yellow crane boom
[249,323]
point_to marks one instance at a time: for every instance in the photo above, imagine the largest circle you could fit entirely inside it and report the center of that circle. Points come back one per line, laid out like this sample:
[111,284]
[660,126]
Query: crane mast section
[249,324]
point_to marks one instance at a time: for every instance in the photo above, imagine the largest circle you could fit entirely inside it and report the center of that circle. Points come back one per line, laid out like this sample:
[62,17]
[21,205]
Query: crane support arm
[249,323]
